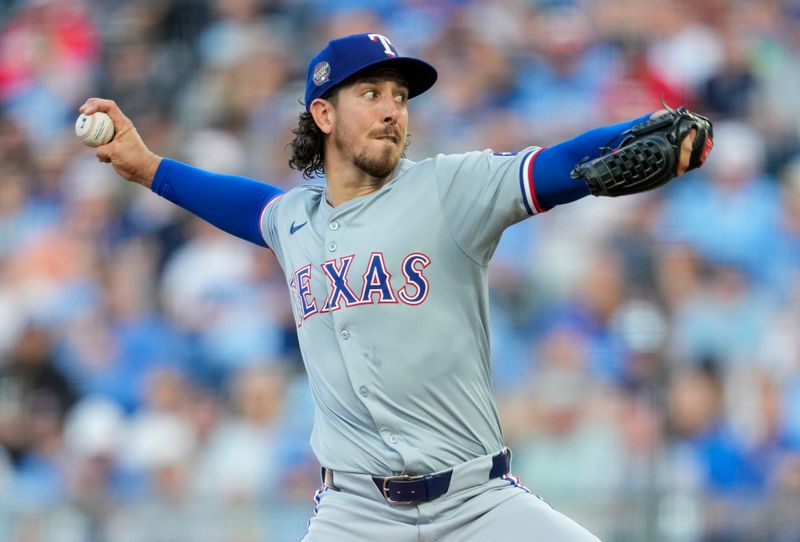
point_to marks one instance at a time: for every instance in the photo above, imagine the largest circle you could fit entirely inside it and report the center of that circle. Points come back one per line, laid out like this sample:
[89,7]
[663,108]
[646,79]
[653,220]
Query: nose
[390,110]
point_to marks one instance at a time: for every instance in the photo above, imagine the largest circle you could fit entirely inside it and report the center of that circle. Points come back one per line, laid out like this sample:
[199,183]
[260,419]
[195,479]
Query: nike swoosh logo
[294,228]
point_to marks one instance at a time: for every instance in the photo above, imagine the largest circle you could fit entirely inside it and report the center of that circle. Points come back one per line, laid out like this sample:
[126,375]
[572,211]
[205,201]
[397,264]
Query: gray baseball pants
[473,509]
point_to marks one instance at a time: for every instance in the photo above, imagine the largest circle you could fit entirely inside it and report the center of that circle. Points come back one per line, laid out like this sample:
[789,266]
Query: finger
[686,151]
[103,153]
[98,104]
[92,105]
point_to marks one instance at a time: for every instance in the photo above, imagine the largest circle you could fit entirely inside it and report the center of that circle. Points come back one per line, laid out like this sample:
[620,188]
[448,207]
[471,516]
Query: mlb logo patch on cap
[322,73]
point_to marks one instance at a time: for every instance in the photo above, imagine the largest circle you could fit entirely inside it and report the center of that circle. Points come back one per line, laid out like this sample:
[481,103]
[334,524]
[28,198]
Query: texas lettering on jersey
[376,285]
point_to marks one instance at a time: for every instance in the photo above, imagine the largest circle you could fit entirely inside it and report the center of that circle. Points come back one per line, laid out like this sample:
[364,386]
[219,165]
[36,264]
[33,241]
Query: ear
[324,114]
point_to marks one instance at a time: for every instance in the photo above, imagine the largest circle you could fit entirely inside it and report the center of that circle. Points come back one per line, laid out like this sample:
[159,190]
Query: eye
[369,94]
[401,98]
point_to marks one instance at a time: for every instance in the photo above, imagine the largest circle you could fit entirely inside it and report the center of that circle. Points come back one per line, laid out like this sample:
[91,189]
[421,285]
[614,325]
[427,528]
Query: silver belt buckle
[400,477]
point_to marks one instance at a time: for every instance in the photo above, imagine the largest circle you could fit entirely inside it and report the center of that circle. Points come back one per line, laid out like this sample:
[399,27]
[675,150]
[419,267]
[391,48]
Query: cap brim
[419,75]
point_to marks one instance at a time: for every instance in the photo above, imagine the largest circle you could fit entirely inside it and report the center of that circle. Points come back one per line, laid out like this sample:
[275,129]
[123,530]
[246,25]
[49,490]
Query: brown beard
[380,166]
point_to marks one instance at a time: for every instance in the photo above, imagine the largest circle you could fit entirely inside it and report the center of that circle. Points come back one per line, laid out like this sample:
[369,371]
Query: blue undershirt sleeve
[229,202]
[551,169]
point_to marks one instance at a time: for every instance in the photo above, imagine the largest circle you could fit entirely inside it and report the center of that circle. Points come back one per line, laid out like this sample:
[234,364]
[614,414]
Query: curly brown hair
[308,147]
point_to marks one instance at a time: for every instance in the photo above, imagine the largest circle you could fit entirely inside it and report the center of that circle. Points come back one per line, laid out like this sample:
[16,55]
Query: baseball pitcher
[407,431]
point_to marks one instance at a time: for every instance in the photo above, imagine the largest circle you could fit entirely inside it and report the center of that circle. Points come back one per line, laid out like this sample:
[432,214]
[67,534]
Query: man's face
[370,122]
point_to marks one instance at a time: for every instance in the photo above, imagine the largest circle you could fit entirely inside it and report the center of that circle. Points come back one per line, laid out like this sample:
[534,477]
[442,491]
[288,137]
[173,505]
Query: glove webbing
[631,169]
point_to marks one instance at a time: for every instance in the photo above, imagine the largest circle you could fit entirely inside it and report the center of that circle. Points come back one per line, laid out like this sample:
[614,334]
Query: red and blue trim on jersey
[514,481]
[271,200]
[526,183]
[318,496]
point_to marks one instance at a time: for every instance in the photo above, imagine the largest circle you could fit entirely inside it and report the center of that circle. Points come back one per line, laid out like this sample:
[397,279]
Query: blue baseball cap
[345,57]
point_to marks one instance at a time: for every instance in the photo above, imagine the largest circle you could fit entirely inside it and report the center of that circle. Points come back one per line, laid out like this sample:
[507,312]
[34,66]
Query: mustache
[388,131]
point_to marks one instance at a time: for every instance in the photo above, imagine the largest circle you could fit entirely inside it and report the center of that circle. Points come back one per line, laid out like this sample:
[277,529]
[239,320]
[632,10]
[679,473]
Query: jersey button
[332,247]
[393,439]
[363,391]
[334,226]
[344,334]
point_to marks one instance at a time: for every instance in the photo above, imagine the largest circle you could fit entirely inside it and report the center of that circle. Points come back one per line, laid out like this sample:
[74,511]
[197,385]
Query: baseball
[95,129]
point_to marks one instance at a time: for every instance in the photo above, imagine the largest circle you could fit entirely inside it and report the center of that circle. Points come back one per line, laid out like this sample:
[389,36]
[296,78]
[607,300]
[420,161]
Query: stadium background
[646,349]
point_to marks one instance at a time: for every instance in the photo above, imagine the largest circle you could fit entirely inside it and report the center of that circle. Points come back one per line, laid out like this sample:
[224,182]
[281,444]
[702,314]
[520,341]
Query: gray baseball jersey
[390,296]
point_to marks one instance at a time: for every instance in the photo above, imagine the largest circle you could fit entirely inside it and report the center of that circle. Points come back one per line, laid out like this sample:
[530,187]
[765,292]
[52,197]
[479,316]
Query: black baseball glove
[648,155]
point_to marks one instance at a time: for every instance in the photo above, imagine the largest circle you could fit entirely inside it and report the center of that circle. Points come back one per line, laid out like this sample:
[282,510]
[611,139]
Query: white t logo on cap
[387,45]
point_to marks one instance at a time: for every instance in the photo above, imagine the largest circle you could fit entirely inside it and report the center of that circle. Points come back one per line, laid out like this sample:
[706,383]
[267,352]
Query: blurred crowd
[646,349]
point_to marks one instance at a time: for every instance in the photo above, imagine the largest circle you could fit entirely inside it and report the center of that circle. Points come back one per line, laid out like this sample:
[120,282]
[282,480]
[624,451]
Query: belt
[405,489]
